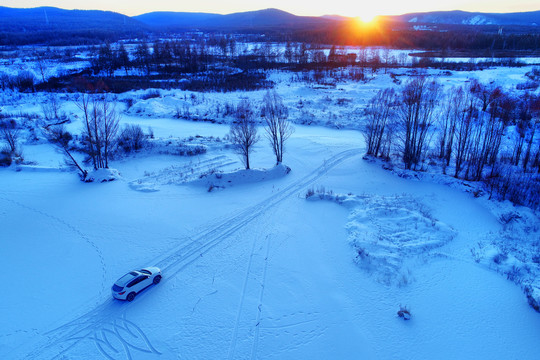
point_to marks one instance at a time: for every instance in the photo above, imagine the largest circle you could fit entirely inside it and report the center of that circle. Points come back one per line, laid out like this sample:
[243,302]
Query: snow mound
[158,107]
[222,180]
[181,174]
[102,175]
[140,185]
[387,233]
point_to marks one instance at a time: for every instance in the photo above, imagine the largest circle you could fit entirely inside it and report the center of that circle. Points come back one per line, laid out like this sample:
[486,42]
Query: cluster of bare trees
[416,106]
[469,124]
[100,130]
[379,129]
[407,116]
[243,132]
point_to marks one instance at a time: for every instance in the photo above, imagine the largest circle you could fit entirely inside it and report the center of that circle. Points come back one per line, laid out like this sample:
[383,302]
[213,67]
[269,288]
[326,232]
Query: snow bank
[222,180]
[387,233]
[514,250]
[103,175]
[166,106]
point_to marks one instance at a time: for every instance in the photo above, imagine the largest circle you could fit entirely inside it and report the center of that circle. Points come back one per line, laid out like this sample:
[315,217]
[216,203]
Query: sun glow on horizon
[367,18]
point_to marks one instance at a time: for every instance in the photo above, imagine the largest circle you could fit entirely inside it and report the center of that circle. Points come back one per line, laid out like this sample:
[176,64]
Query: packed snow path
[98,320]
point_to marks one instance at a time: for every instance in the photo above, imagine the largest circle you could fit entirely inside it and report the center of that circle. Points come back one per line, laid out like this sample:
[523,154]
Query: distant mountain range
[471,18]
[54,26]
[54,19]
[275,18]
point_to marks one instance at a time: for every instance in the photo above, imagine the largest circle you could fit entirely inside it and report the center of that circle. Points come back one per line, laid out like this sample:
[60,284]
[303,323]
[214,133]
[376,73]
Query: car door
[144,282]
[138,283]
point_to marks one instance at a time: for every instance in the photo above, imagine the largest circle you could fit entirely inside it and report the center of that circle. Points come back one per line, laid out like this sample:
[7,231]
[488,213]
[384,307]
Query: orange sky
[342,7]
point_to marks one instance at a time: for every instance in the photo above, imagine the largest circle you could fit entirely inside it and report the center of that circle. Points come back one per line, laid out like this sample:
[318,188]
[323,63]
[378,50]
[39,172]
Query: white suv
[129,285]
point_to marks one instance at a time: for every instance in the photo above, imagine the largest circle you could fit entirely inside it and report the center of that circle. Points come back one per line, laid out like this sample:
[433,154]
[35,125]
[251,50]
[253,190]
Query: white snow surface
[254,270]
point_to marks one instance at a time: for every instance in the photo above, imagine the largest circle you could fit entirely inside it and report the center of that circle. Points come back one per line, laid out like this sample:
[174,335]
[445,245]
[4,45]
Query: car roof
[126,278]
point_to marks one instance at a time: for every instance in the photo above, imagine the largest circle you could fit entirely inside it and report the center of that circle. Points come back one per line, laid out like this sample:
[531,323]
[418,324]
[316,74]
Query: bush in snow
[132,138]
[321,192]
[191,150]
[51,110]
[152,94]
[5,157]
[9,132]
[404,313]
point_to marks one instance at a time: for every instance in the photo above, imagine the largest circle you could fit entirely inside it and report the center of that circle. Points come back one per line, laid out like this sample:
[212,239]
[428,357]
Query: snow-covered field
[253,269]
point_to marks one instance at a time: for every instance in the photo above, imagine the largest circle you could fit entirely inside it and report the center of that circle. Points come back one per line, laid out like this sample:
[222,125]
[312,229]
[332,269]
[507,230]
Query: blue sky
[341,7]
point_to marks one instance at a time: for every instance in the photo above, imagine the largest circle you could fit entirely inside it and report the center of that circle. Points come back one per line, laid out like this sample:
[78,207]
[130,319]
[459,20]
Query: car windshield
[124,279]
[117,288]
[144,271]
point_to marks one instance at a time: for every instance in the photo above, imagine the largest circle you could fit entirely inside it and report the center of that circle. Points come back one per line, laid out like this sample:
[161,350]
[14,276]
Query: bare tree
[243,132]
[487,136]
[51,109]
[416,107]
[100,128]
[41,65]
[465,114]
[452,112]
[278,129]
[57,135]
[379,111]
[534,108]
[522,126]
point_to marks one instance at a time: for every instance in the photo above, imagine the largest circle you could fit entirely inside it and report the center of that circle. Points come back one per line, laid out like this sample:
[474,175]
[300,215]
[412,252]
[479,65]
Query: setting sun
[366,17]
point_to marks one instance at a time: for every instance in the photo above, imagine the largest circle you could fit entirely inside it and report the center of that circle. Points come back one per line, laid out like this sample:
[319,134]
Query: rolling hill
[261,19]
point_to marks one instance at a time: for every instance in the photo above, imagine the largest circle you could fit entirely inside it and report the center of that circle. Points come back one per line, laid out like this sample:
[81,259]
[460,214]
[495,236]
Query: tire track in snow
[178,259]
[207,240]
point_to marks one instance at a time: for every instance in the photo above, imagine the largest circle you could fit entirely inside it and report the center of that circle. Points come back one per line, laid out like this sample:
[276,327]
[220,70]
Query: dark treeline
[223,62]
[64,37]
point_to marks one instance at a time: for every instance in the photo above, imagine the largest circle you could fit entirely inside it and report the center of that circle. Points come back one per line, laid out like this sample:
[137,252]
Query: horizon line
[247,11]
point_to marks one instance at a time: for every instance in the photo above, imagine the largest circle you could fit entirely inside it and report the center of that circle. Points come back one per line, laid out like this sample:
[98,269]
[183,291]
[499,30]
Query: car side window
[134,282]
[137,280]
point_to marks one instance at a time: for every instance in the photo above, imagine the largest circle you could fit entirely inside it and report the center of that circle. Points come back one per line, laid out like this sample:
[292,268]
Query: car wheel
[157,279]
[131,296]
